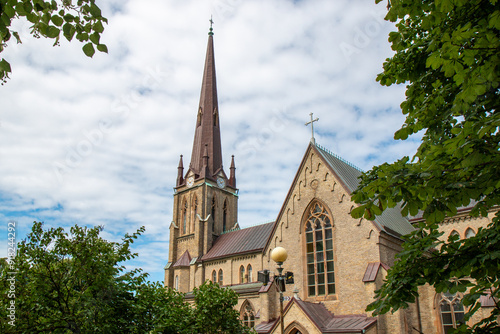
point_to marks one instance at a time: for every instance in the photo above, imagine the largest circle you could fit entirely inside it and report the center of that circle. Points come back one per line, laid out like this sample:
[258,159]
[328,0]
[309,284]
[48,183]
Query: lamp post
[279,256]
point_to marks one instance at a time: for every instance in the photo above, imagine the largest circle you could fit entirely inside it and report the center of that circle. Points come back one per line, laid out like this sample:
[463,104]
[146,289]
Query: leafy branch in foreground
[447,53]
[83,21]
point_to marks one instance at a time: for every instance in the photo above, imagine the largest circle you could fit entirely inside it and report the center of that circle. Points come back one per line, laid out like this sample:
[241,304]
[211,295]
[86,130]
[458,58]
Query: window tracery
[451,311]
[248,315]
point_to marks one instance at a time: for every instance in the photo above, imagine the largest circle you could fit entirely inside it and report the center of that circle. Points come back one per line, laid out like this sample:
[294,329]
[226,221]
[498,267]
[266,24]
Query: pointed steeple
[207,131]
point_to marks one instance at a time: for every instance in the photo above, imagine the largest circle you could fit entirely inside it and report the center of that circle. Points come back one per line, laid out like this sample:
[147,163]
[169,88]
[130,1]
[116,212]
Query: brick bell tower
[205,199]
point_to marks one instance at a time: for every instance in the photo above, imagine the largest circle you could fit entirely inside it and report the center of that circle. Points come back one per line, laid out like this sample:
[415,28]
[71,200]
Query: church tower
[205,198]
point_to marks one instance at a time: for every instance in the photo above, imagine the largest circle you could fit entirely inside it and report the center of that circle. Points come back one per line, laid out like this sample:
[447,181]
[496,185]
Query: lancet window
[319,252]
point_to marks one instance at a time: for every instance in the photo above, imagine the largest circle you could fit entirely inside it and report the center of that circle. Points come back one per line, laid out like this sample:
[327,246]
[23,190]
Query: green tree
[447,53]
[214,310]
[161,310]
[49,19]
[71,283]
[77,283]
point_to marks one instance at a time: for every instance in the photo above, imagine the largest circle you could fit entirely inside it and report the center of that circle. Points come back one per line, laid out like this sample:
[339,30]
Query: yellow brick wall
[355,240]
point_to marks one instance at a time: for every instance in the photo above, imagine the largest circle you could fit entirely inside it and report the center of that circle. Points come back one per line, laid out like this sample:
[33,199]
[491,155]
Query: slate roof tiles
[391,220]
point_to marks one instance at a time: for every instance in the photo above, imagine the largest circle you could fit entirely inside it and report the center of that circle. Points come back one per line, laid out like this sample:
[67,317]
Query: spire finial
[312,127]
[211,32]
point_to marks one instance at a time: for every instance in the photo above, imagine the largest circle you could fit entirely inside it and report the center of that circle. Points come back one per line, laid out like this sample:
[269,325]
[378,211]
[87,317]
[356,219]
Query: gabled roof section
[329,323]
[183,261]
[247,240]
[391,220]
[324,321]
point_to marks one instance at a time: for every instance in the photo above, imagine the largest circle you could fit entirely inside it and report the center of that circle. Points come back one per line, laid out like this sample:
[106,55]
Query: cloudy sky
[97,141]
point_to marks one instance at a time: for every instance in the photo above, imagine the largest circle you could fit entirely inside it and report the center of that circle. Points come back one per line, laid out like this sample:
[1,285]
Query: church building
[338,262]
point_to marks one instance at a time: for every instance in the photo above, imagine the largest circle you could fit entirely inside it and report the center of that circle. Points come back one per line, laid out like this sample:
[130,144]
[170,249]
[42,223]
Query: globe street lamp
[279,256]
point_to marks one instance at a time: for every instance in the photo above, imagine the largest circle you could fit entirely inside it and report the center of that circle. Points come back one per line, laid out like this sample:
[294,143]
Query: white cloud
[97,141]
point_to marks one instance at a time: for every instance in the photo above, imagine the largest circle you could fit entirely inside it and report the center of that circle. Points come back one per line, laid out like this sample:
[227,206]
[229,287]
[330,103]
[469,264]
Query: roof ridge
[339,157]
[244,228]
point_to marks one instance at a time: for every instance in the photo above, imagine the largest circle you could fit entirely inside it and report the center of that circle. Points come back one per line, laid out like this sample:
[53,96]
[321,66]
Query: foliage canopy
[447,53]
[77,283]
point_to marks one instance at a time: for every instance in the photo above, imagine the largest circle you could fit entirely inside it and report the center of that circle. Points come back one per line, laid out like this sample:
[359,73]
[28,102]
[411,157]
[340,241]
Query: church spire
[207,131]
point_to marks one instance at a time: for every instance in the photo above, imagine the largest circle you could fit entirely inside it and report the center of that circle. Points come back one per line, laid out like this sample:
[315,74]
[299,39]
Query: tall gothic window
[221,278]
[319,252]
[176,284]
[242,274]
[213,214]
[451,311]
[184,217]
[249,273]
[224,217]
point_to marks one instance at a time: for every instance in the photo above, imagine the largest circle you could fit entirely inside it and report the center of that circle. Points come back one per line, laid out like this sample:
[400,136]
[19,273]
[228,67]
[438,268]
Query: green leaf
[69,18]
[88,49]
[98,27]
[102,48]
[358,212]
[57,20]
[94,10]
[5,66]
[94,38]
[52,32]
[69,31]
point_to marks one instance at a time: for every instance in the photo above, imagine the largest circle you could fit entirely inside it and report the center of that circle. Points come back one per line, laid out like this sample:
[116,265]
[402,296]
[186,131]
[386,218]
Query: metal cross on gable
[312,127]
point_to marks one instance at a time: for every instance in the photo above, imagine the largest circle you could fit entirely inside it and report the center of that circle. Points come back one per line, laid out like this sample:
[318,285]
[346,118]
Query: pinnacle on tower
[180,172]
[232,173]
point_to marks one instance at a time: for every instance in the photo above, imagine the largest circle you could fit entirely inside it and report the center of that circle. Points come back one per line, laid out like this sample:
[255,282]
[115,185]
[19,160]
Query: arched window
[248,315]
[176,284]
[242,274]
[319,252]
[249,273]
[195,212]
[213,214]
[469,233]
[224,217]
[221,278]
[184,217]
[451,311]
[214,276]
[454,233]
